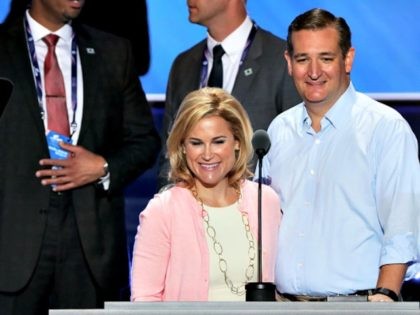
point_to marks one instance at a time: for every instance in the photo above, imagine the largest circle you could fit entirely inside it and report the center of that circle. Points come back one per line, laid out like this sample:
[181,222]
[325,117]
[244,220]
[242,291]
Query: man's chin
[68,16]
[314,101]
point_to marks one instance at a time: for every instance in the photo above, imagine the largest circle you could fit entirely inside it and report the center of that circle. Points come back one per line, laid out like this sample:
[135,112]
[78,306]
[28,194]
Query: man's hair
[316,19]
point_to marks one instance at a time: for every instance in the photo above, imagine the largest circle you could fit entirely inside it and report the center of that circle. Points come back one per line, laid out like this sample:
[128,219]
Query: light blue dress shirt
[350,196]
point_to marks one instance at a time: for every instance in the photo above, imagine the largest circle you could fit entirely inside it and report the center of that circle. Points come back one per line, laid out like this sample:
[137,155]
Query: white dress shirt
[63,52]
[233,45]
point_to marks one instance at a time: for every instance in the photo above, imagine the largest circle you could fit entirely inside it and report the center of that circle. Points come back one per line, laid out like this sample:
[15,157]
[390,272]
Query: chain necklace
[218,249]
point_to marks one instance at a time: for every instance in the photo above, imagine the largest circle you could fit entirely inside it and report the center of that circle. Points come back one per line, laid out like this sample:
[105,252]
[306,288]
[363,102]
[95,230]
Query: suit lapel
[249,69]
[188,79]
[89,62]
[24,80]
[197,63]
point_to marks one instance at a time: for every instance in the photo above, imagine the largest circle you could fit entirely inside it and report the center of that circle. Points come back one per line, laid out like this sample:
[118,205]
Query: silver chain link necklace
[218,249]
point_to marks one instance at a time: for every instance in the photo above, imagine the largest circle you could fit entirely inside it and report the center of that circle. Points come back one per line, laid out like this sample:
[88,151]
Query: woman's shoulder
[251,188]
[167,203]
[171,197]
[173,193]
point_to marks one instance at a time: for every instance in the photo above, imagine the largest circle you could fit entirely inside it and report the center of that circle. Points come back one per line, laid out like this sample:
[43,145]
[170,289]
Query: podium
[249,308]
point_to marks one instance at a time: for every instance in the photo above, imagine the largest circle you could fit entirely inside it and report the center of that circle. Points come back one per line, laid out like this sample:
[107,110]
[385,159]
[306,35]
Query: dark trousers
[61,278]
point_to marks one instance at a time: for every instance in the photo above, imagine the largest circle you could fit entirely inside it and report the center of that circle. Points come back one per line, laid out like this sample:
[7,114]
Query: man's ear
[289,61]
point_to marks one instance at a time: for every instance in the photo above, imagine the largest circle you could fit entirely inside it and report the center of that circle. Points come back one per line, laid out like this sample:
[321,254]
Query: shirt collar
[39,31]
[338,114]
[236,41]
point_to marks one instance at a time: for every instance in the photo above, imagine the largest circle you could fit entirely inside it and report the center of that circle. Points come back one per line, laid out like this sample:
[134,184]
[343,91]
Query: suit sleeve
[139,141]
[171,108]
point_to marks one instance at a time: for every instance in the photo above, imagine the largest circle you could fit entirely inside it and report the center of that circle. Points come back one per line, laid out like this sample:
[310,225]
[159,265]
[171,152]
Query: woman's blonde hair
[202,103]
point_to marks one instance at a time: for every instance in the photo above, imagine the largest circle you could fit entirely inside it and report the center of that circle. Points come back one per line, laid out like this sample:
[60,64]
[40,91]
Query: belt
[338,297]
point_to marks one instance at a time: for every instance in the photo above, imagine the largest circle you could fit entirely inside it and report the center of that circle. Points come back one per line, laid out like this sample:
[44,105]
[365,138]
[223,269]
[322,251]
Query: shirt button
[312,172]
[317,141]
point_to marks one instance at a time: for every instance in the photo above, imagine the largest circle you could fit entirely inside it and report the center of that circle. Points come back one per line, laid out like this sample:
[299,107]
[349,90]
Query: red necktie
[54,90]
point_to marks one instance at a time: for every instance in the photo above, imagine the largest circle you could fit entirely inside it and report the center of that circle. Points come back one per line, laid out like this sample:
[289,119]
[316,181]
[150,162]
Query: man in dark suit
[62,232]
[128,19]
[254,69]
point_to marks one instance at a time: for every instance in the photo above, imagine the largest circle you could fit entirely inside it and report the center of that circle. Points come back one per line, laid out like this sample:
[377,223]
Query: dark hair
[318,19]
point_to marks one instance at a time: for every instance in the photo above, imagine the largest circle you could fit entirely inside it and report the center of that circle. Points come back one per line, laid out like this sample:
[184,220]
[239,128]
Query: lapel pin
[248,71]
[90,51]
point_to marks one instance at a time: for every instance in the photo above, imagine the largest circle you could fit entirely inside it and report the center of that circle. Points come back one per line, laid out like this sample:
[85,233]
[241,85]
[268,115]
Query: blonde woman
[197,241]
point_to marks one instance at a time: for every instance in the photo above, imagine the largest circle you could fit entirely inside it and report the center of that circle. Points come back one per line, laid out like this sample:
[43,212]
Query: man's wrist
[104,180]
[389,293]
[105,169]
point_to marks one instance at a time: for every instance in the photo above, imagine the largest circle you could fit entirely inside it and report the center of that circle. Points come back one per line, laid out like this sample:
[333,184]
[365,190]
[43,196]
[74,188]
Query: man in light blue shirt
[347,171]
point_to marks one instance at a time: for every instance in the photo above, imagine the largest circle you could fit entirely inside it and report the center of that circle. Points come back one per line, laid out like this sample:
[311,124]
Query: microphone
[260,291]
[261,143]
[6,87]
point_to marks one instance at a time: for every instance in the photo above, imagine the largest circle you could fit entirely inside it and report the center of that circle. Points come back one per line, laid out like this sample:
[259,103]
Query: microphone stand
[260,291]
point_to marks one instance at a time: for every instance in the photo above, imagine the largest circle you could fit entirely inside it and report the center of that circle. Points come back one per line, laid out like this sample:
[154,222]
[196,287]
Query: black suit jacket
[263,85]
[116,124]
[6,88]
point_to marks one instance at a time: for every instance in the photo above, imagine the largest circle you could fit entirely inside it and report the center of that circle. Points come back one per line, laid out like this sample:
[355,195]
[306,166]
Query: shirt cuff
[401,249]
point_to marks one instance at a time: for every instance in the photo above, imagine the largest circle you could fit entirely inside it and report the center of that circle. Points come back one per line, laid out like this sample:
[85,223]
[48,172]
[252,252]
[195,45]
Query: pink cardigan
[170,256]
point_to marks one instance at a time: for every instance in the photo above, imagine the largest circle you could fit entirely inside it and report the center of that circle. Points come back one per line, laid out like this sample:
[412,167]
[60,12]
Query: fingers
[57,179]
[55,175]
[63,187]
[69,147]
[80,168]
[379,298]
[53,162]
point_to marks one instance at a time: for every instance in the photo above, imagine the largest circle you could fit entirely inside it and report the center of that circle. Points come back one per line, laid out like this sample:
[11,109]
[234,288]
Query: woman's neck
[216,196]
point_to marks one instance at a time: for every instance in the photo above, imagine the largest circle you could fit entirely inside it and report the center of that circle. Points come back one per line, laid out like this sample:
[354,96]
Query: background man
[253,68]
[62,232]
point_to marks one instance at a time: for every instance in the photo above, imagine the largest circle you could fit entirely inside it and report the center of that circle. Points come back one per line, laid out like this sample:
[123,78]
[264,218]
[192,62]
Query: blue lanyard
[205,63]
[37,74]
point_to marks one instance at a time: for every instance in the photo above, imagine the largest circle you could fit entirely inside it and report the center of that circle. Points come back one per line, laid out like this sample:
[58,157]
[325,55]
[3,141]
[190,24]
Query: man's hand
[80,168]
[379,298]
[391,277]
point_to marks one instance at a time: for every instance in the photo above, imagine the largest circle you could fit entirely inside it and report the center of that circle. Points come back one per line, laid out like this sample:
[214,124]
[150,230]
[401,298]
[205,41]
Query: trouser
[61,278]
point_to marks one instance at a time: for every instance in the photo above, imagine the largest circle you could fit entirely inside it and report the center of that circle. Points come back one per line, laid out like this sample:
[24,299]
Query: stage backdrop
[386,35]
